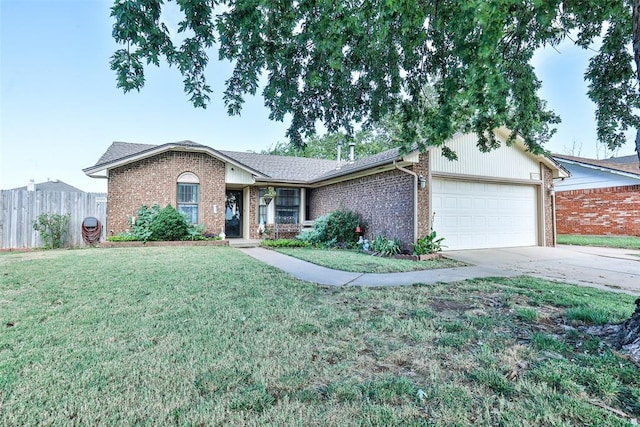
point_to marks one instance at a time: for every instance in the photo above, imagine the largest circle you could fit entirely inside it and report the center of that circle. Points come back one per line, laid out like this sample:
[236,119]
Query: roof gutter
[415,198]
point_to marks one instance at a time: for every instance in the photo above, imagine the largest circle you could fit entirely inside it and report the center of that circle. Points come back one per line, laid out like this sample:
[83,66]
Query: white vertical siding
[504,162]
[235,175]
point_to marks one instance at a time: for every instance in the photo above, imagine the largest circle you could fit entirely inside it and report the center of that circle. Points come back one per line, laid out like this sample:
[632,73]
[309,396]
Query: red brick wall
[422,168]
[254,201]
[154,180]
[547,203]
[599,211]
[384,200]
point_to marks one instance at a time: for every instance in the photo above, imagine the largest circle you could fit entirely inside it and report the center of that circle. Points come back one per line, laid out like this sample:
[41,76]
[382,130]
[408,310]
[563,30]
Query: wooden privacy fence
[20,208]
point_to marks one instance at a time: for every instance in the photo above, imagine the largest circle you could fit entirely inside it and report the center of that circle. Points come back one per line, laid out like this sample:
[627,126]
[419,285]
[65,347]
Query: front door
[233,214]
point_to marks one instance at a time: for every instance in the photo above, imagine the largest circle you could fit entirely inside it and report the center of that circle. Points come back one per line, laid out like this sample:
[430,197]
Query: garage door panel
[473,215]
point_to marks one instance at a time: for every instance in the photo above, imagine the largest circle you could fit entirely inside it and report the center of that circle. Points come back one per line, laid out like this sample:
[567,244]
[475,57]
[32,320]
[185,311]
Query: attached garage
[489,200]
[474,214]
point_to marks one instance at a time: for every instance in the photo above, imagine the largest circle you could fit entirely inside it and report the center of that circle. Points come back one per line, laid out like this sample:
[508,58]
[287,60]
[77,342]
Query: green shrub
[195,232]
[285,243]
[53,229]
[341,226]
[429,244]
[316,235]
[335,228]
[385,247]
[141,224]
[122,237]
[169,224]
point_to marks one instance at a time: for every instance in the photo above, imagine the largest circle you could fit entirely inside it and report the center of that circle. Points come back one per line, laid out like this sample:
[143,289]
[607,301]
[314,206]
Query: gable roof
[122,153]
[53,185]
[264,166]
[626,167]
[118,150]
[267,167]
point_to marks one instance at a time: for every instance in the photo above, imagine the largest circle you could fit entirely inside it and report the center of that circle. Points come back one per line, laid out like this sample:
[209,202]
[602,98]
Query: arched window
[187,198]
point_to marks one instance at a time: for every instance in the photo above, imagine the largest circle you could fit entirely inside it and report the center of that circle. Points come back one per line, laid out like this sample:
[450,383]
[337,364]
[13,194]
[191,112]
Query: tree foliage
[368,141]
[340,63]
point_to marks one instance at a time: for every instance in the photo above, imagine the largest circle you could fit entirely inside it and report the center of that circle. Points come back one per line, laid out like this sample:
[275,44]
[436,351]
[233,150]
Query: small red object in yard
[358,230]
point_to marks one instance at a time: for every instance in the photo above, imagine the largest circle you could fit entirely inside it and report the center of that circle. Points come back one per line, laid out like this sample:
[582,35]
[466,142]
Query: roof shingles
[286,168]
[281,168]
[629,167]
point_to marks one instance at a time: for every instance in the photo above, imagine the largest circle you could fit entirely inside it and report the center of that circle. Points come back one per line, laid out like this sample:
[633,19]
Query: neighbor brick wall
[154,180]
[384,200]
[599,211]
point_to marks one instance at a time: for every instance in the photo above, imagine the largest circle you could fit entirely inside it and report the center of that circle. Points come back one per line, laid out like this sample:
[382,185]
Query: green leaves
[357,61]
[53,229]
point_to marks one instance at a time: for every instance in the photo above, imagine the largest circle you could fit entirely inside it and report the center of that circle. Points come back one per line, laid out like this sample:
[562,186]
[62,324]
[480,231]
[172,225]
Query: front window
[262,206]
[188,201]
[287,205]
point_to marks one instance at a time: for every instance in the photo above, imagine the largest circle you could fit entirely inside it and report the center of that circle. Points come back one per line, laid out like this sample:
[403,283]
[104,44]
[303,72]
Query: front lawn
[359,262]
[629,242]
[209,336]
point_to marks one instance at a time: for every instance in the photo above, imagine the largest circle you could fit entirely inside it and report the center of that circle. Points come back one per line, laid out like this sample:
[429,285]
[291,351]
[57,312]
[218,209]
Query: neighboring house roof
[624,166]
[592,173]
[633,159]
[53,185]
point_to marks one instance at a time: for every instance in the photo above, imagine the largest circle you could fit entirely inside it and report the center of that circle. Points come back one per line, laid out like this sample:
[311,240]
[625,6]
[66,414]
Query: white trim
[188,178]
[99,170]
[477,178]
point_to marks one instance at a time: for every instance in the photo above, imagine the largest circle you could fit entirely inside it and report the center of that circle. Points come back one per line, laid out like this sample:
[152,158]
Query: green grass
[209,336]
[606,241]
[359,262]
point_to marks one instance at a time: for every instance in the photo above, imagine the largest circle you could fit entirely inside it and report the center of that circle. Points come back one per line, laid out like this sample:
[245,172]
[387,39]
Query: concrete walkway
[611,269]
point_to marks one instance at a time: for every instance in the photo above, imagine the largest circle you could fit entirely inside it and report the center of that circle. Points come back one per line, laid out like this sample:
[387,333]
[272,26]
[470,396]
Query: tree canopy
[346,62]
[370,140]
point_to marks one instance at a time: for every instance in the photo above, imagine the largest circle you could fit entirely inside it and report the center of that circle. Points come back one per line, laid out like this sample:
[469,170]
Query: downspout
[415,198]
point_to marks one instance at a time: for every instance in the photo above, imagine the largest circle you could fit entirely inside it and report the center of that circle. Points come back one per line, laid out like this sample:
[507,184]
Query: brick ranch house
[496,199]
[602,197]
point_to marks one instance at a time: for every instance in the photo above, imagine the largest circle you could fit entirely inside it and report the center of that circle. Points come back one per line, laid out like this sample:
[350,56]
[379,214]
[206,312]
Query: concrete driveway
[606,268]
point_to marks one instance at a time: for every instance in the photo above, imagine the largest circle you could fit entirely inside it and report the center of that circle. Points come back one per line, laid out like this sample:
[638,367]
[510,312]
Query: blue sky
[60,108]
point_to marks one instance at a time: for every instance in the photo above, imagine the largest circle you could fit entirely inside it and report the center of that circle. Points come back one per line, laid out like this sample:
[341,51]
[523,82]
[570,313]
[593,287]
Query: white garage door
[475,215]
